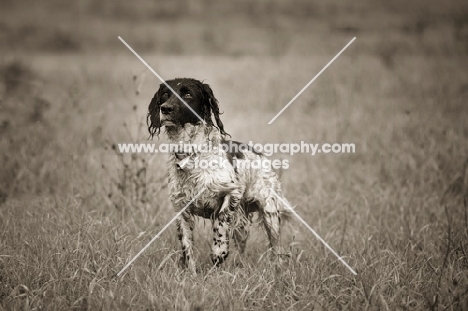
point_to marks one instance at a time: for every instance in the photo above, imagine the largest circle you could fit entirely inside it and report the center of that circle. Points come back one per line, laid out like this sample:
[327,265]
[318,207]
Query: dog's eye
[188,95]
[165,96]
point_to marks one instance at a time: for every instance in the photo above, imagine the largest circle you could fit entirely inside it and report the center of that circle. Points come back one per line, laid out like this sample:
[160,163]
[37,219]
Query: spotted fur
[230,194]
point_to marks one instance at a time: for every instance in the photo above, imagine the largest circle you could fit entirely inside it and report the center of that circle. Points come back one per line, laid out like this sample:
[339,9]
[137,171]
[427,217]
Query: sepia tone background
[73,211]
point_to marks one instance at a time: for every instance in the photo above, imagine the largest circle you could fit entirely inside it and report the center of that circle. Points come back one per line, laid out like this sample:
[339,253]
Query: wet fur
[230,195]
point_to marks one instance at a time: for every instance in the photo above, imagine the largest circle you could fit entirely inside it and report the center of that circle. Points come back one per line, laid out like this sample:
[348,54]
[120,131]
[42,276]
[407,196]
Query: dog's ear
[152,119]
[211,107]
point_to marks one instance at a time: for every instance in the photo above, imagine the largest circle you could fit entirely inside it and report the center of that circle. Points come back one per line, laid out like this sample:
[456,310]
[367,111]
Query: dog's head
[167,110]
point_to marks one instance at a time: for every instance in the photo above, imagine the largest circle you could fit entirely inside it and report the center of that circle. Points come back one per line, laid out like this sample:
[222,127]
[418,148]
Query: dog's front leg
[185,224]
[221,229]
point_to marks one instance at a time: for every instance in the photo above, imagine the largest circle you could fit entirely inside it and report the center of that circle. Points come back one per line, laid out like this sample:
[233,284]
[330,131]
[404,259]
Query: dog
[229,194]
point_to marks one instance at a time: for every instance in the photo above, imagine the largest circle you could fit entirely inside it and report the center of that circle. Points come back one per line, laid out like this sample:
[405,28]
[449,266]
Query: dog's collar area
[181,156]
[184,159]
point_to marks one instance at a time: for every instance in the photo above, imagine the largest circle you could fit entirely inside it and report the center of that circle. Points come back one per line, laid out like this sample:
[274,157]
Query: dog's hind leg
[185,225]
[271,221]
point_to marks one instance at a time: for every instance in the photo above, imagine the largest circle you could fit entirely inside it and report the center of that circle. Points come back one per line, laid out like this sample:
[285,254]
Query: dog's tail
[284,208]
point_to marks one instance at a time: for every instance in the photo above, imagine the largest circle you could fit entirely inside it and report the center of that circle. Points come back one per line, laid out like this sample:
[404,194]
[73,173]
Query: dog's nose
[166,109]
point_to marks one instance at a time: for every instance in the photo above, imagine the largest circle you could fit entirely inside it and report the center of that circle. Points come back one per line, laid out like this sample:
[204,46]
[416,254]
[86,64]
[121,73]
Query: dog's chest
[212,184]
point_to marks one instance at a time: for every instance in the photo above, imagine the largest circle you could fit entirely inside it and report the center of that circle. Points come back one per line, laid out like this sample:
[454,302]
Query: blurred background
[73,209]
[235,28]
[64,72]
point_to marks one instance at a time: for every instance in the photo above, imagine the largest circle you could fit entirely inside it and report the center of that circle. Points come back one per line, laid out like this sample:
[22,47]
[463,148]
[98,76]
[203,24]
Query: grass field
[74,211]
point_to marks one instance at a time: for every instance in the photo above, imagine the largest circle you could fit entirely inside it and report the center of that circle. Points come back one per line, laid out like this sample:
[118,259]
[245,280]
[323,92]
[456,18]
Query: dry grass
[73,212]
